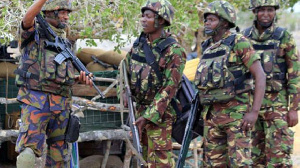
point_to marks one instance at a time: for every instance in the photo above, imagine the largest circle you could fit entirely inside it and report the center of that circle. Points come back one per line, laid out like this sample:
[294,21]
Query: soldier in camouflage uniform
[223,78]
[153,95]
[273,140]
[45,87]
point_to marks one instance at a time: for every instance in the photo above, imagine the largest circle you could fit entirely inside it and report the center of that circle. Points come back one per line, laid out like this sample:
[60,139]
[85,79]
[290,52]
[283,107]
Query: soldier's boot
[26,159]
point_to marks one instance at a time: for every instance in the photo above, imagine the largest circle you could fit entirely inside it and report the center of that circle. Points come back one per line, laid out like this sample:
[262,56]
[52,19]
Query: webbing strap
[52,140]
[150,59]
[264,47]
[229,41]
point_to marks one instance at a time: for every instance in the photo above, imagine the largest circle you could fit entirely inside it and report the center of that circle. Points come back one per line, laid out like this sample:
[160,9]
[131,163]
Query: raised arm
[34,9]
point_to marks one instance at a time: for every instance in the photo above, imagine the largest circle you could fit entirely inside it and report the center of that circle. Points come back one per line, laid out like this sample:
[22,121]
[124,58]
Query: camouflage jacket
[38,72]
[153,100]
[287,57]
[241,57]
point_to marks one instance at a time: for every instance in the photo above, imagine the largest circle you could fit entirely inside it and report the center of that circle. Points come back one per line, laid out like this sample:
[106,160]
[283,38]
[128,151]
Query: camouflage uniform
[152,98]
[273,140]
[45,94]
[226,144]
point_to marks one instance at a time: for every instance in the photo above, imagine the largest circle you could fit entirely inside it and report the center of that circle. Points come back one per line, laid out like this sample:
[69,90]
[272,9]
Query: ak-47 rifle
[188,135]
[63,47]
[135,133]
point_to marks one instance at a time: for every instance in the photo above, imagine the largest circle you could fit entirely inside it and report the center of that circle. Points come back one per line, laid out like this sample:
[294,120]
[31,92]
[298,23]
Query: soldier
[223,78]
[273,140]
[45,87]
[154,85]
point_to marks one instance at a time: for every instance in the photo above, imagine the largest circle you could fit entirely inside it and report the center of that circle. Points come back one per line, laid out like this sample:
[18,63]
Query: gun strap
[27,41]
[150,57]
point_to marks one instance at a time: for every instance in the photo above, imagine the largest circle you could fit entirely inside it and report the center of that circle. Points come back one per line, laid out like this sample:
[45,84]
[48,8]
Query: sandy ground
[296,154]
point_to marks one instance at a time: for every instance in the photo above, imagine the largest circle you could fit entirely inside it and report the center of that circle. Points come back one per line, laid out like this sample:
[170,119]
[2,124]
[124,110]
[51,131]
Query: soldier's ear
[225,24]
[49,13]
[161,21]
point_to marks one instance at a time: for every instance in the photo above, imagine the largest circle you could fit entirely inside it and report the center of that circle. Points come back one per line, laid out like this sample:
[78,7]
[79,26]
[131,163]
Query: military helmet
[258,3]
[52,5]
[223,9]
[161,7]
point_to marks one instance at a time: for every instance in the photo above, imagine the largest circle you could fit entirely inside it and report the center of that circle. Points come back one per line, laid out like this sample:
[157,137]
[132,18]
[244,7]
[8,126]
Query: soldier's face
[211,21]
[148,21]
[266,14]
[63,16]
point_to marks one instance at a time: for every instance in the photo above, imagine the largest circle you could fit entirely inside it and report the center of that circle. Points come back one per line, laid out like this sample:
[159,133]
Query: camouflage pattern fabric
[162,7]
[46,75]
[222,120]
[52,5]
[49,120]
[215,73]
[223,9]
[258,3]
[271,127]
[45,91]
[225,142]
[274,65]
[275,103]
[287,53]
[156,150]
[153,102]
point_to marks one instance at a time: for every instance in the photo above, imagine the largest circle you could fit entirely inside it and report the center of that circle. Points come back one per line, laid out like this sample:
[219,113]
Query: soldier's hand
[85,79]
[125,100]
[140,123]
[292,118]
[249,120]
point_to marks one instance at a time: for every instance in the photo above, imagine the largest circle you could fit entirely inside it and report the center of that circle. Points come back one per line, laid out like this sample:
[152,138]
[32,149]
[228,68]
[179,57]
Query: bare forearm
[260,85]
[28,19]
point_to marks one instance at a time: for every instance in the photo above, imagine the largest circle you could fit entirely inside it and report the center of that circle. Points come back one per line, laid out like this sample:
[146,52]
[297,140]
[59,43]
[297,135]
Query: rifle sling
[150,59]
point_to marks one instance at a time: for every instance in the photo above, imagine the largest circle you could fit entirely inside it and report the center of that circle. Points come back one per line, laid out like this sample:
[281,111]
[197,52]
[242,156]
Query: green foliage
[108,19]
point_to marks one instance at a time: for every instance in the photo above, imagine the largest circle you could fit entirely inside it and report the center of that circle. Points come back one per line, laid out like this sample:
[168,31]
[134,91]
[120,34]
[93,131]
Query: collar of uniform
[163,36]
[59,32]
[218,43]
[265,35]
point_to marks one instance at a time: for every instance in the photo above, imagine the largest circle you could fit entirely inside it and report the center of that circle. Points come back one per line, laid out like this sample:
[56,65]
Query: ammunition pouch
[274,65]
[72,132]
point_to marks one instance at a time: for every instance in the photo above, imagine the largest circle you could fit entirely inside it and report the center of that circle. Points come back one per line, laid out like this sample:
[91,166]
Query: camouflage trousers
[225,143]
[273,140]
[157,145]
[39,123]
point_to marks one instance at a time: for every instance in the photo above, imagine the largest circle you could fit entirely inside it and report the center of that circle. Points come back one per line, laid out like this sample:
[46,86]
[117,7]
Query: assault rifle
[105,65]
[135,133]
[63,47]
[188,134]
[4,55]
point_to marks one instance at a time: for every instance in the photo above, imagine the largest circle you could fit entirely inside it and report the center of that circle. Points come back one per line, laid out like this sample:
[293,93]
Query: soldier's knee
[26,159]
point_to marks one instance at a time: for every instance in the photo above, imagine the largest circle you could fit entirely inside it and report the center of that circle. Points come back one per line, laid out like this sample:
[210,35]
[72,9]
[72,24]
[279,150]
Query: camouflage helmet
[162,7]
[223,9]
[258,3]
[52,5]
